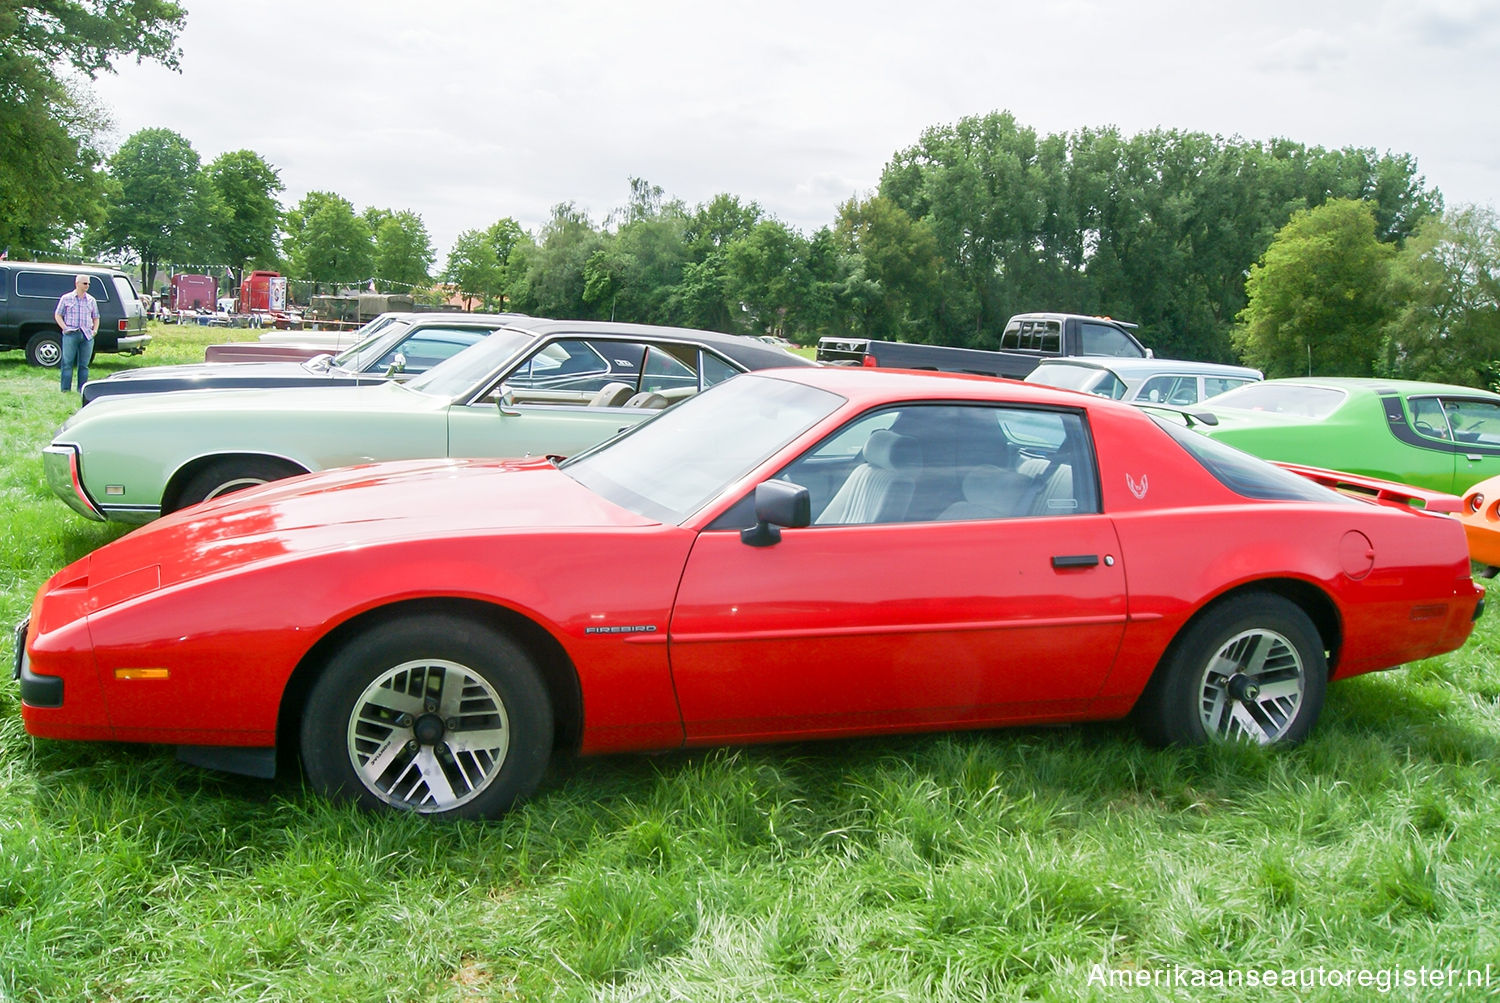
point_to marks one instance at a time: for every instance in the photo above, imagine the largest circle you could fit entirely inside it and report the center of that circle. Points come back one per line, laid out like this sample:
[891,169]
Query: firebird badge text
[645,628]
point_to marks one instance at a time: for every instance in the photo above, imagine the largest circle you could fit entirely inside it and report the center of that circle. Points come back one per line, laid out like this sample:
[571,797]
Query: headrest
[647,398]
[992,485]
[889,451]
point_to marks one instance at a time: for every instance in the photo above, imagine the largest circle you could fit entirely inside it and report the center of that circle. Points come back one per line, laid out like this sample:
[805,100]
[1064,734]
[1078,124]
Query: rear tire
[434,714]
[224,477]
[45,349]
[1250,669]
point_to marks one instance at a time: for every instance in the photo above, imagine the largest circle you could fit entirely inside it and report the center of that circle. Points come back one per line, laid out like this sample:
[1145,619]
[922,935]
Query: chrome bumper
[60,464]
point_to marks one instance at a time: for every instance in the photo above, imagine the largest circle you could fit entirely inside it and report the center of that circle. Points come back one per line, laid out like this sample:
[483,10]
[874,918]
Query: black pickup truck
[1027,340]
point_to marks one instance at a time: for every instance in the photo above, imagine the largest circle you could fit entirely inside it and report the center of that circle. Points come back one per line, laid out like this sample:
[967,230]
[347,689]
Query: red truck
[262,290]
[194,292]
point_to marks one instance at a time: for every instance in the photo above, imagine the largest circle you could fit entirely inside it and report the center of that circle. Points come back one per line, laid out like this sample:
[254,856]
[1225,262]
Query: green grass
[1000,865]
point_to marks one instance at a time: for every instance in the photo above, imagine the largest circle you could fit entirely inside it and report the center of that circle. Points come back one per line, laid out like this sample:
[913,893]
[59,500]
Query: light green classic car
[533,388]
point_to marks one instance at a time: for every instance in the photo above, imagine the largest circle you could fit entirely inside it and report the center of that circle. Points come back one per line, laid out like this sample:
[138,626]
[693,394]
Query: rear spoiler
[1377,490]
[1184,415]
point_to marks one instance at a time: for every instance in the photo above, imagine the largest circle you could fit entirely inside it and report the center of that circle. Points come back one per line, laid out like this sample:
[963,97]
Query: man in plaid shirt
[78,315]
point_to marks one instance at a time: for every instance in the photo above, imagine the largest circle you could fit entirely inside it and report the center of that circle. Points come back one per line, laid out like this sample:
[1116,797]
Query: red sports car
[793,554]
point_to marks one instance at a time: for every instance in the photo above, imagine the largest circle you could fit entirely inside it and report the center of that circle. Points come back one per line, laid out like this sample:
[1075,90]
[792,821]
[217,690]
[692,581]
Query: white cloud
[466,111]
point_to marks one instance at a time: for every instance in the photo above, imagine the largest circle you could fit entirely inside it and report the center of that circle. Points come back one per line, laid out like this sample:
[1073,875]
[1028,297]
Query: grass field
[1028,864]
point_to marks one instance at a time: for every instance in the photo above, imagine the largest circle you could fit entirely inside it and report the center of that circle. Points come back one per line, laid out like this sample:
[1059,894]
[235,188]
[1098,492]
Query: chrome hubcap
[238,484]
[1252,688]
[428,735]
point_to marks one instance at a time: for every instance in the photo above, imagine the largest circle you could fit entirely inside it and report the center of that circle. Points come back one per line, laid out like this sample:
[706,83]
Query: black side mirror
[777,504]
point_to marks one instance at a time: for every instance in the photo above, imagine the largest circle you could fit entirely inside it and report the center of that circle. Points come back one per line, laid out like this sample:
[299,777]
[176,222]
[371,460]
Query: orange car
[1481,518]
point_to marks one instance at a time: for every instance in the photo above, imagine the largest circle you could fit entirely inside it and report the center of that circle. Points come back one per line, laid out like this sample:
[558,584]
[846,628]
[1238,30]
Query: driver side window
[939,462]
[1473,421]
[1428,419]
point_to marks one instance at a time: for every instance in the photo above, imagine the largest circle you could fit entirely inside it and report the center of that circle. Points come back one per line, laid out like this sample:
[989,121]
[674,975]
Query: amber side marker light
[128,674]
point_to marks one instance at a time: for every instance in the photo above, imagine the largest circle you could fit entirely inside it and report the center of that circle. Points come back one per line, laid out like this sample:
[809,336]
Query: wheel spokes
[438,791]
[395,702]
[1251,688]
[428,735]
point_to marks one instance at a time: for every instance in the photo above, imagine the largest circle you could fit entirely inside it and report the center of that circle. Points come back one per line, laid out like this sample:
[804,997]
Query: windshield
[381,334]
[671,466]
[472,368]
[1297,399]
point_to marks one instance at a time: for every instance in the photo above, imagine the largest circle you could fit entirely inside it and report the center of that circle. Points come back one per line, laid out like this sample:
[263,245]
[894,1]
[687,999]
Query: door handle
[1075,560]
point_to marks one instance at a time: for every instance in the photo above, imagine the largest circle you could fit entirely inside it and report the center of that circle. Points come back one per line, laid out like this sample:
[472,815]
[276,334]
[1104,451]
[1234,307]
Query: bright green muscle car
[1429,434]
[533,388]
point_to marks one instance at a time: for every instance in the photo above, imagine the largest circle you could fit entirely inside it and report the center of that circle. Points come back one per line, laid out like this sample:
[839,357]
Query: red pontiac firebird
[792,554]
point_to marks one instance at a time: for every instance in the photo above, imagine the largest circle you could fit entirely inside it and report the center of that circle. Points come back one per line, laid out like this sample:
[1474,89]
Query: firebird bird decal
[1139,490]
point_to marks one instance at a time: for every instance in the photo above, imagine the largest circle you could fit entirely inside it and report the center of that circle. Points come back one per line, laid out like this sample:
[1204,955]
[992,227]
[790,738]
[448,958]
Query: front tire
[434,714]
[224,477]
[1250,669]
[45,349]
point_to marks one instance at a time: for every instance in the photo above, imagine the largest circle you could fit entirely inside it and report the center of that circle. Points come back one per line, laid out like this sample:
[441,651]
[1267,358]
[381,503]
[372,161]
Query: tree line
[1287,257]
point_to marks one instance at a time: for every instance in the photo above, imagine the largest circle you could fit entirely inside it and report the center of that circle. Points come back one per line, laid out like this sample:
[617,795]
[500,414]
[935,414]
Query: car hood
[241,405]
[212,370]
[346,509]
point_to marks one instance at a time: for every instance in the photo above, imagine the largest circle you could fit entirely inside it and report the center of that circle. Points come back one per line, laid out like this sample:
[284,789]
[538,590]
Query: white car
[1175,382]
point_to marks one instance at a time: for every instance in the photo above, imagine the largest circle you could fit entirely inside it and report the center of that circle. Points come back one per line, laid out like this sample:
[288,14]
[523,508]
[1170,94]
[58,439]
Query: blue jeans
[78,347]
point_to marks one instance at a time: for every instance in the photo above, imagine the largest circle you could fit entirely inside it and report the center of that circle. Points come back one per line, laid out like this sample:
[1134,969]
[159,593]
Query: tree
[247,187]
[702,296]
[1316,299]
[768,277]
[49,159]
[160,205]
[504,234]
[894,289]
[717,222]
[474,267]
[1159,228]
[1445,284]
[403,250]
[632,275]
[327,243]
[979,187]
[48,181]
[548,280]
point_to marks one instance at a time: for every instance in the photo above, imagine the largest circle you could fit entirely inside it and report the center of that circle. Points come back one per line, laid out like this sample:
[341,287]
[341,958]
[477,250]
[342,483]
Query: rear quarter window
[1245,474]
[52,285]
[124,287]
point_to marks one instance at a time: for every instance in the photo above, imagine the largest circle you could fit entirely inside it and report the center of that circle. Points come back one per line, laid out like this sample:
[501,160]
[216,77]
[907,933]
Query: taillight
[869,360]
[124,325]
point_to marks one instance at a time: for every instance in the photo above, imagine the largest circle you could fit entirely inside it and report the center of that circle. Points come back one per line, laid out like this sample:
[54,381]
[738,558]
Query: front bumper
[60,464]
[36,691]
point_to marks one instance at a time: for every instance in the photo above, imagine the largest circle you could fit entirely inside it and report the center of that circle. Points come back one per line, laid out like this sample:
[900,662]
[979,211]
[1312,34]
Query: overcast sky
[466,111]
